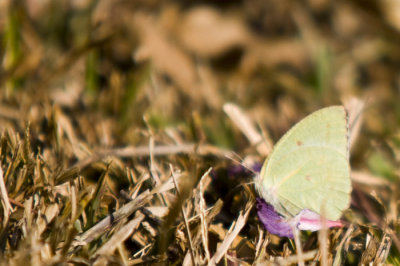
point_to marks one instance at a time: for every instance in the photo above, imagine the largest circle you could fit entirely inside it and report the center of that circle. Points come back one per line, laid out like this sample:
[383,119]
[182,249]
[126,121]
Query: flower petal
[277,225]
[309,220]
[272,221]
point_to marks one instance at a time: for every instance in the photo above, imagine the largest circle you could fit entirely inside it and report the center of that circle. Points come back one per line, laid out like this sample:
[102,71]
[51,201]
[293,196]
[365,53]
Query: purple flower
[277,225]
[272,221]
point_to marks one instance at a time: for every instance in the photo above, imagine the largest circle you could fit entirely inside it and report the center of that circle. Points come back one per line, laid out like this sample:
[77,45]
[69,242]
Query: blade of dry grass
[355,108]
[120,236]
[204,227]
[51,212]
[260,243]
[187,229]
[4,198]
[107,222]
[153,168]
[294,259]
[159,150]
[175,209]
[244,123]
[206,216]
[338,258]
[299,249]
[368,179]
[233,232]
[323,242]
[74,204]
[383,250]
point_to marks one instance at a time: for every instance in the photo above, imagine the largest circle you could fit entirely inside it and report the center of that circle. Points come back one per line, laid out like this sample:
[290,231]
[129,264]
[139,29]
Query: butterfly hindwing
[309,168]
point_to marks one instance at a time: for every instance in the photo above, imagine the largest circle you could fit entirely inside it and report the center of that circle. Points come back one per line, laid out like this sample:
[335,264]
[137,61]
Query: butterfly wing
[309,167]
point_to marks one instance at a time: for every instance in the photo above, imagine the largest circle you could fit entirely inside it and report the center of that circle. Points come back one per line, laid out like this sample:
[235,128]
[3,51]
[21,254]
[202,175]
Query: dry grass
[122,122]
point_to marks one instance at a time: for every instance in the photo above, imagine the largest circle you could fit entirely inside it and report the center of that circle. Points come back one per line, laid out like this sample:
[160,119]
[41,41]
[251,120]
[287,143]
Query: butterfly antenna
[241,163]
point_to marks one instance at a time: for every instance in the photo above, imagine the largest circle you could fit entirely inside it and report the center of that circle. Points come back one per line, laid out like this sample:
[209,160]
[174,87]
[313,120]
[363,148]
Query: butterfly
[307,175]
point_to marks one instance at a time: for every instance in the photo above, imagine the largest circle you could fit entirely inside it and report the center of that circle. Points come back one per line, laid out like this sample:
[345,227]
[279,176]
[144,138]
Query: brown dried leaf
[165,56]
[209,33]
[120,236]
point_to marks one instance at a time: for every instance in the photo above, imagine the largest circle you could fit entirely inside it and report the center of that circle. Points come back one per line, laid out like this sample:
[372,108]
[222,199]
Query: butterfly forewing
[309,168]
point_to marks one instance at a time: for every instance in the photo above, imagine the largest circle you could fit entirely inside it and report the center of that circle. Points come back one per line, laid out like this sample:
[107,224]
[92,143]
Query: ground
[131,131]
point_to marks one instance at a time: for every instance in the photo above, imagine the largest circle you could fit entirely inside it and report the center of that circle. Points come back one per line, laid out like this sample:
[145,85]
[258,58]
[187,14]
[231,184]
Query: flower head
[304,220]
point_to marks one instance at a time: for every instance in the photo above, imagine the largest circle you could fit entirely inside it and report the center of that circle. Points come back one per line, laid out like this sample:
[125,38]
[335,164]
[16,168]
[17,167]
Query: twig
[246,126]
[188,235]
[160,150]
[104,224]
[204,228]
[4,197]
[298,246]
[236,228]
[120,236]
[323,242]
